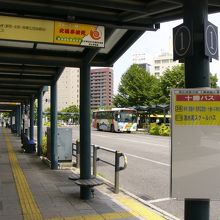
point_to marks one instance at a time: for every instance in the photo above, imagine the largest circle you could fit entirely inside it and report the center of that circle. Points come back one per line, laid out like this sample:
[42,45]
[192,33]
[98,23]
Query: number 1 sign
[182,42]
[211,40]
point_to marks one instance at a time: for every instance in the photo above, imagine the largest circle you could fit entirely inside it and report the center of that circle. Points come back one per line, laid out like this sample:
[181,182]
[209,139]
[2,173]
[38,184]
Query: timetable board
[195,143]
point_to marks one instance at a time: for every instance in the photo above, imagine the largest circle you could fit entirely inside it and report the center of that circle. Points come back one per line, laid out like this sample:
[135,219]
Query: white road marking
[160,200]
[147,159]
[134,141]
[142,142]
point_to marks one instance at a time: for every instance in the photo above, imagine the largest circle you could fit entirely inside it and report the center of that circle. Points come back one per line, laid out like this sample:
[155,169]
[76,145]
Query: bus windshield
[127,117]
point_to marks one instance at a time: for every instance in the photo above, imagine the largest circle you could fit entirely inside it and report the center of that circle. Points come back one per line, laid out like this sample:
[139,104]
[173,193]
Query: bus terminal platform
[30,190]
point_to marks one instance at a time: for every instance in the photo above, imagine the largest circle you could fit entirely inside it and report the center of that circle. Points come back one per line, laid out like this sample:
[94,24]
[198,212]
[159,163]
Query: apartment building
[101,87]
[143,60]
[162,62]
[67,89]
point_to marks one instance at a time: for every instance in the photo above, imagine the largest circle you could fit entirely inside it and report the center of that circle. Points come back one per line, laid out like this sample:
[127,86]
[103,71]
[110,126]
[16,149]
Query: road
[147,174]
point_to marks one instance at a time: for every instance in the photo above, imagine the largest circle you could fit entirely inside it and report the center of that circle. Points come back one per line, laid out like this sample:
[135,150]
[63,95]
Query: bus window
[117,116]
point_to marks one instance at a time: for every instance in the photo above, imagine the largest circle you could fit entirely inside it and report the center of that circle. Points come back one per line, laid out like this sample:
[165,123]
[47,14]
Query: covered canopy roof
[26,66]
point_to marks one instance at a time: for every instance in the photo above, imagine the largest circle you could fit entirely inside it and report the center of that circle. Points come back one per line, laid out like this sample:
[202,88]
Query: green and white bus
[115,120]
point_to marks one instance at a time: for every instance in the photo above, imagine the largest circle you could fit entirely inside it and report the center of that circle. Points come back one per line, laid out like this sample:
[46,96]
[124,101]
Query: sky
[153,43]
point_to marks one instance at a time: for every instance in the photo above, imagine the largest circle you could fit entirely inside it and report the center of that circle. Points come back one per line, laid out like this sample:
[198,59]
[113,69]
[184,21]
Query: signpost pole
[196,75]
[197,65]
[53,122]
[85,129]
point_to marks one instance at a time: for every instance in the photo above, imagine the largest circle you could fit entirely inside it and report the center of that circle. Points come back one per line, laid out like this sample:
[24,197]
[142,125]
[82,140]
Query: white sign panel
[195,143]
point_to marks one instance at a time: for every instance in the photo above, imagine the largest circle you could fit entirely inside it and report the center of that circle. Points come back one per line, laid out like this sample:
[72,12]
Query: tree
[73,111]
[174,78]
[136,88]
[47,111]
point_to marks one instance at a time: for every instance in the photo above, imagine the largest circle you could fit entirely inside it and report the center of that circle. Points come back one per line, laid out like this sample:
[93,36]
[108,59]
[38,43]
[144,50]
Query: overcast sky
[153,43]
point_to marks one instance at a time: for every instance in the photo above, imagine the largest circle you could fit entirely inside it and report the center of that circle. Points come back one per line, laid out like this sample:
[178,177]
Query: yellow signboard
[197,108]
[78,34]
[26,29]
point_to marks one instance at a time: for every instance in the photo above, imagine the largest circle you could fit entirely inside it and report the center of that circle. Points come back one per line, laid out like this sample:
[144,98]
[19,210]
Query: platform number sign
[182,42]
[211,40]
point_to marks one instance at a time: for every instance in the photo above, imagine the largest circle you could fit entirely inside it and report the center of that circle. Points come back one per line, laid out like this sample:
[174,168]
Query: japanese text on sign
[36,30]
[197,109]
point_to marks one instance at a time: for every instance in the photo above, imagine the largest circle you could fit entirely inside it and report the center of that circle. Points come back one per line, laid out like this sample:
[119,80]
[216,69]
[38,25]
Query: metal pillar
[53,126]
[39,123]
[25,122]
[19,120]
[16,120]
[11,120]
[32,118]
[196,75]
[197,65]
[22,120]
[85,129]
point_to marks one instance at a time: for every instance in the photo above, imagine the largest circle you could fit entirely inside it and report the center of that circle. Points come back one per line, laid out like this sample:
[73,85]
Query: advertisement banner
[26,29]
[79,34]
[36,30]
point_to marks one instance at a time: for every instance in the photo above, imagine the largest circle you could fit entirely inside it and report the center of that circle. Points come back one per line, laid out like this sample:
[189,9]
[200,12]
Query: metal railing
[116,164]
[76,152]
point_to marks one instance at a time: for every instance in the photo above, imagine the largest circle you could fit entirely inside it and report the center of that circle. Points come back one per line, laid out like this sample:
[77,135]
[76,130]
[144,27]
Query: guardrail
[116,164]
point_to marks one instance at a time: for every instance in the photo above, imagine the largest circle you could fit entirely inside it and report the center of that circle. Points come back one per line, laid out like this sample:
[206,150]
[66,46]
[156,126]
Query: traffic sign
[182,42]
[211,40]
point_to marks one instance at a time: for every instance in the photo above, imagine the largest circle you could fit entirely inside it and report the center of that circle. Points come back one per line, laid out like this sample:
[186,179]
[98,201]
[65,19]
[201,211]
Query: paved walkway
[29,190]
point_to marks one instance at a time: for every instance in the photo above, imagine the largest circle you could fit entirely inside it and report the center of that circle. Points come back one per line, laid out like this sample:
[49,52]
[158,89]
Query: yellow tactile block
[138,209]
[29,207]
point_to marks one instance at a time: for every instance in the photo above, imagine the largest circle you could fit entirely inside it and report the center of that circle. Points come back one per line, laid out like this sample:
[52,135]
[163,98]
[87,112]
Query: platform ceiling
[25,67]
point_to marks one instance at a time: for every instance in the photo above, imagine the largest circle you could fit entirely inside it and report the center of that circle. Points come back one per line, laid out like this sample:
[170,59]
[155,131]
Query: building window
[157,61]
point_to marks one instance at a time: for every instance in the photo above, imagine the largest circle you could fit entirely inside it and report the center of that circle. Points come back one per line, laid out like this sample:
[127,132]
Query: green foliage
[136,88]
[35,110]
[47,124]
[44,146]
[74,113]
[213,80]
[47,115]
[172,78]
[154,129]
[6,115]
[163,130]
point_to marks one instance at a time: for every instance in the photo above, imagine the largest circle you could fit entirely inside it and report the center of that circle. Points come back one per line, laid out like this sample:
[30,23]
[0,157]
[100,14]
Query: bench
[74,176]
[90,183]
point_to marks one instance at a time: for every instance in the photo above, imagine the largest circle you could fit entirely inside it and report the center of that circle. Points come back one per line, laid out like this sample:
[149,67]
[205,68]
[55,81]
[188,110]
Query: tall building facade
[162,62]
[67,89]
[143,60]
[101,87]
